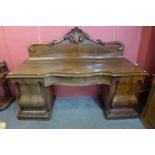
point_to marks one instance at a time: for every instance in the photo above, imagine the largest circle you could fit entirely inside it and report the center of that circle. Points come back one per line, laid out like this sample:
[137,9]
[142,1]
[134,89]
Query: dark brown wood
[8,98]
[76,45]
[122,97]
[77,60]
[148,116]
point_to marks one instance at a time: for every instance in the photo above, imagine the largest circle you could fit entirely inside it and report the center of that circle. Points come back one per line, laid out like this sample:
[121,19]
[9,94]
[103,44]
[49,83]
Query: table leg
[121,99]
[6,101]
[34,101]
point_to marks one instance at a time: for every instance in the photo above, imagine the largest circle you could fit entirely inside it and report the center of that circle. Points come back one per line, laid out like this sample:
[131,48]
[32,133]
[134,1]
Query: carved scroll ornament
[76,35]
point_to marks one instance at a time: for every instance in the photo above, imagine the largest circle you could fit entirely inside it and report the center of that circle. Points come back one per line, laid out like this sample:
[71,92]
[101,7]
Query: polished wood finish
[76,45]
[121,100]
[8,98]
[77,60]
[148,116]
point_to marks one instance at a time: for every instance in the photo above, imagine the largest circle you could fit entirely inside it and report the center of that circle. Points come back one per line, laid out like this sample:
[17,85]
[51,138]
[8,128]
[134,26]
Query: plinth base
[34,115]
[121,113]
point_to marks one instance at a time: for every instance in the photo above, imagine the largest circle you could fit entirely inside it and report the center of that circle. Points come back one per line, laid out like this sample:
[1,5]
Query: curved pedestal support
[119,95]
[35,101]
[120,98]
[6,101]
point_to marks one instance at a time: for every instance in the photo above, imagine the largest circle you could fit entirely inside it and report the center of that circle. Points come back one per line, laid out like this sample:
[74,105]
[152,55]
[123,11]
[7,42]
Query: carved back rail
[76,44]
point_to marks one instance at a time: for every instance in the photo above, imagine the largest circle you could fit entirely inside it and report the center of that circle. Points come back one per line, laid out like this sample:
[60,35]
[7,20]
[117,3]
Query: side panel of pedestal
[35,100]
[148,115]
[120,98]
[7,99]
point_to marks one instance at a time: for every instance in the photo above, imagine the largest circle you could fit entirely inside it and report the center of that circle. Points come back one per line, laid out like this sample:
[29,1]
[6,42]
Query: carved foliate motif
[76,35]
[72,40]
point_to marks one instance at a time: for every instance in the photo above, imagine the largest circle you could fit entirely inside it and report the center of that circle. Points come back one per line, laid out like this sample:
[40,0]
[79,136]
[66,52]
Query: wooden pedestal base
[120,98]
[34,115]
[35,101]
[121,113]
[148,115]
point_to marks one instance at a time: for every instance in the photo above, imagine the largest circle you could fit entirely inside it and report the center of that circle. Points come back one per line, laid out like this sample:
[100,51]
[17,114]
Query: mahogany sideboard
[148,115]
[8,98]
[77,60]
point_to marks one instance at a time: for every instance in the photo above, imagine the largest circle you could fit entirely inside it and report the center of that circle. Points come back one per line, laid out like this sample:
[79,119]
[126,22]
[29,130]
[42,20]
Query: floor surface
[70,113]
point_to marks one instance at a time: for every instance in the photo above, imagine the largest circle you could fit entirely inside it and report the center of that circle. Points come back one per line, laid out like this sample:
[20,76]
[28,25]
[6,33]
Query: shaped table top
[77,68]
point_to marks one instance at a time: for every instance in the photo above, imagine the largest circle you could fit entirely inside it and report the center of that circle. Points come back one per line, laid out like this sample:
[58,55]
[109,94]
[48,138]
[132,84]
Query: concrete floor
[70,113]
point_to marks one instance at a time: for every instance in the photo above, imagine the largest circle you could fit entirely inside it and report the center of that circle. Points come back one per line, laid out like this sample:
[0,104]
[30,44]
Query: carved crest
[76,35]
[77,42]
